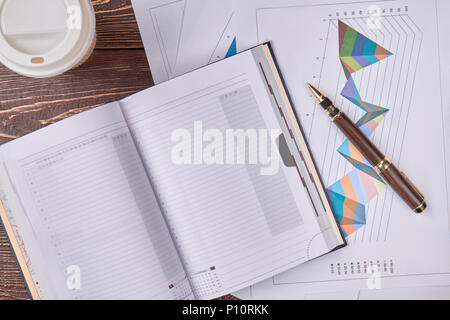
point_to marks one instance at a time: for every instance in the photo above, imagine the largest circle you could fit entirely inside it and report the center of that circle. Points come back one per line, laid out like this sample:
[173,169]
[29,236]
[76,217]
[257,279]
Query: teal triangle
[232,50]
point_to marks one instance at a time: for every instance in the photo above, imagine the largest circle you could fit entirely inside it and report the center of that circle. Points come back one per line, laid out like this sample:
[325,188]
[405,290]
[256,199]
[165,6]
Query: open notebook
[171,193]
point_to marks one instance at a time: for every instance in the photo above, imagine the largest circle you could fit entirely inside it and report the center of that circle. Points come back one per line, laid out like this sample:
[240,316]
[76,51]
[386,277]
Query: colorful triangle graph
[350,92]
[350,194]
[368,123]
[356,51]
[349,197]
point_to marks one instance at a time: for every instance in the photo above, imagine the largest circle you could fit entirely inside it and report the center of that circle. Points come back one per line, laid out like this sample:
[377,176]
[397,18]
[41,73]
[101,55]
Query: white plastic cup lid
[44,38]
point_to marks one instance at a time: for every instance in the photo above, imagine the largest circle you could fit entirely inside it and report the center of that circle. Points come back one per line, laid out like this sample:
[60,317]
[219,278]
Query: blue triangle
[232,50]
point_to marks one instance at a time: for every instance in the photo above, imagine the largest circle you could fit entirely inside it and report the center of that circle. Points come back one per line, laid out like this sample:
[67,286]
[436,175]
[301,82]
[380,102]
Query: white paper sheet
[247,24]
[160,24]
[305,41]
[411,293]
[443,8]
[208,34]
[181,36]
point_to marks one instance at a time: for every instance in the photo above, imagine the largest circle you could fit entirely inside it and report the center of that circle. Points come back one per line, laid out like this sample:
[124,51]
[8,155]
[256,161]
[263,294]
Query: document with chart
[380,63]
[195,188]
[184,35]
[160,24]
[208,35]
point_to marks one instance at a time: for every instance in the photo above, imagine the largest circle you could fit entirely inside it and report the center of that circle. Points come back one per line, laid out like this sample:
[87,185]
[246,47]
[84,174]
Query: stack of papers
[392,253]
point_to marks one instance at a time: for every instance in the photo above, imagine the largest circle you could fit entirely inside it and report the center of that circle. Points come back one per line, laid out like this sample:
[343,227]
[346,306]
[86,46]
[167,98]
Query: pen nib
[319,96]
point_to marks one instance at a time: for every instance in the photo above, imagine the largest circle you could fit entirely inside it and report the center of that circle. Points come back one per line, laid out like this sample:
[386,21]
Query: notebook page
[234,225]
[83,205]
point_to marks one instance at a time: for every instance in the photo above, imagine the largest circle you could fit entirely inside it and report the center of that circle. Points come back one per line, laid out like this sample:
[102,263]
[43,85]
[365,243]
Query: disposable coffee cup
[45,38]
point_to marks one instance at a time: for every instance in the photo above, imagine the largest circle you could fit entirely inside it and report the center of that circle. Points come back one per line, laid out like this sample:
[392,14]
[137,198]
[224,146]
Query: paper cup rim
[83,48]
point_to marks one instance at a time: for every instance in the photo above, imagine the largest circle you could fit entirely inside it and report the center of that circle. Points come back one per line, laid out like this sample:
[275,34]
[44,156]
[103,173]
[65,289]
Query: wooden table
[117,68]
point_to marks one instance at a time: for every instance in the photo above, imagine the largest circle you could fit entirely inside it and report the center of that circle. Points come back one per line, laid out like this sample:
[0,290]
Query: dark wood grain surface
[117,68]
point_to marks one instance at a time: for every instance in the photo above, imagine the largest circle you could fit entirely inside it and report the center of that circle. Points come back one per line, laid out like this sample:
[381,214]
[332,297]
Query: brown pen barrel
[359,140]
[407,191]
[396,179]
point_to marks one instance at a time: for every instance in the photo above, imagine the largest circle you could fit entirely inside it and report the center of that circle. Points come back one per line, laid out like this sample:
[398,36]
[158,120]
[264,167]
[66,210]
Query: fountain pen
[401,184]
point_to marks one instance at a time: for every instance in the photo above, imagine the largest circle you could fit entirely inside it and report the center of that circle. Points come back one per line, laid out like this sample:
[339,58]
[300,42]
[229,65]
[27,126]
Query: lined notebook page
[233,226]
[85,200]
